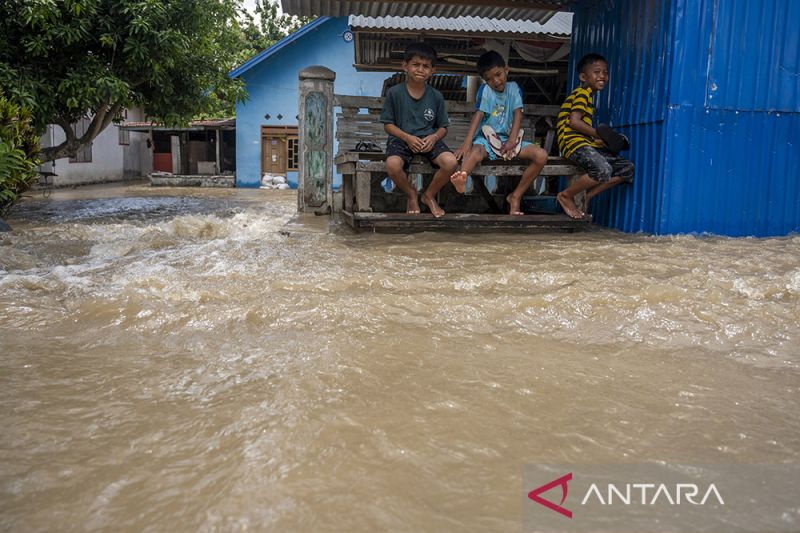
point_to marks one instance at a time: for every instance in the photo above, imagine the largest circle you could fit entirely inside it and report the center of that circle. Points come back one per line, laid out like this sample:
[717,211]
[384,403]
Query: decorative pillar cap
[317,72]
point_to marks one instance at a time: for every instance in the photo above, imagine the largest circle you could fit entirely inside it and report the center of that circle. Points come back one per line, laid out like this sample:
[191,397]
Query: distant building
[114,155]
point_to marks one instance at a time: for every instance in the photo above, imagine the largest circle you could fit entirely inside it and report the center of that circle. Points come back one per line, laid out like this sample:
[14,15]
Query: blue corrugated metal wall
[709,92]
[755,58]
[732,162]
[635,36]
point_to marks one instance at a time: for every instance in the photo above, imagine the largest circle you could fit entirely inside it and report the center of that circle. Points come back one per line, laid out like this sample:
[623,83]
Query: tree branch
[100,121]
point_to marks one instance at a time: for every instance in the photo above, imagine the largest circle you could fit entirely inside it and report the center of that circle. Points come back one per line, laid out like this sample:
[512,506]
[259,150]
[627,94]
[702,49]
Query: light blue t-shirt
[498,108]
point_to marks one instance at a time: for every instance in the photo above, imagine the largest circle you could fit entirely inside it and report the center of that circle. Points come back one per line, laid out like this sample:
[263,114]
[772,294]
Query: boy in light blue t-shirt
[495,130]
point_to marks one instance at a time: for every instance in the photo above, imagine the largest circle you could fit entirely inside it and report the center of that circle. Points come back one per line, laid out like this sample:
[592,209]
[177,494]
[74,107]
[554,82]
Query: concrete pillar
[315,180]
[175,144]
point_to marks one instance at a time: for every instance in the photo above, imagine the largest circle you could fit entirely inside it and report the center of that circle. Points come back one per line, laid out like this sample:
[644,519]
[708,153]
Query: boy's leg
[598,170]
[447,164]
[566,198]
[394,168]
[473,158]
[538,159]
[622,171]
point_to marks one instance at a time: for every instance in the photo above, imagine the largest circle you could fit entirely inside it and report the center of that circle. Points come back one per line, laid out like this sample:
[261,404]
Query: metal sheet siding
[691,42]
[637,207]
[732,160]
[636,38]
[731,173]
[755,56]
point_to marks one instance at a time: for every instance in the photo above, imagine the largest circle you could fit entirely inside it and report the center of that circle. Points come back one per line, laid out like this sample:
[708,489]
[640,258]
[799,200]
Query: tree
[67,59]
[275,26]
[19,148]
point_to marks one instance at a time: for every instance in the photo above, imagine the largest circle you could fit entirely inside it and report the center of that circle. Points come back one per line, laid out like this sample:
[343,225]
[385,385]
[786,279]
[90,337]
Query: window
[293,153]
[124,137]
[84,154]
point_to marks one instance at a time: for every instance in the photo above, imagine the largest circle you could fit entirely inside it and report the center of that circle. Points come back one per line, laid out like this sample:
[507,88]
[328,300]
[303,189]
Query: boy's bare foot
[513,203]
[568,206]
[459,181]
[433,206]
[412,205]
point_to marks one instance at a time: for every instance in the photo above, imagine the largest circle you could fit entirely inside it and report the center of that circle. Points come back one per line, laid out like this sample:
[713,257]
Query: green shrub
[19,150]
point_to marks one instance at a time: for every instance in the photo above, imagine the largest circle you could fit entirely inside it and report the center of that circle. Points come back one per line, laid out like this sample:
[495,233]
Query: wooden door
[273,154]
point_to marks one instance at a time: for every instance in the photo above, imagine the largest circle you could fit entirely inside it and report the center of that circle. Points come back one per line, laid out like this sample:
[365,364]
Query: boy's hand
[508,146]
[428,142]
[414,143]
[462,151]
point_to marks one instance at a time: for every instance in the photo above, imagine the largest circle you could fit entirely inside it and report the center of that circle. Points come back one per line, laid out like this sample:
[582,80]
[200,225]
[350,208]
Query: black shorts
[400,149]
[602,165]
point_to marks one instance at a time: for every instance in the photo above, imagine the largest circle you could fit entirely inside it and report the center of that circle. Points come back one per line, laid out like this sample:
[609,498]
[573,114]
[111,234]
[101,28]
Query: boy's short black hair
[421,50]
[588,59]
[488,61]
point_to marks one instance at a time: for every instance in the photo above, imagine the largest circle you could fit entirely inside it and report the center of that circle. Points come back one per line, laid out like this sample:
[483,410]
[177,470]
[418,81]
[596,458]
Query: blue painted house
[266,124]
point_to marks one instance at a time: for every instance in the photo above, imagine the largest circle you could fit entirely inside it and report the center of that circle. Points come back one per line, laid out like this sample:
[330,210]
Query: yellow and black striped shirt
[570,140]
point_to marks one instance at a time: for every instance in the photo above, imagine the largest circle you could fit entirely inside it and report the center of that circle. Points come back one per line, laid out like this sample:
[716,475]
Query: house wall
[708,92]
[111,161]
[273,89]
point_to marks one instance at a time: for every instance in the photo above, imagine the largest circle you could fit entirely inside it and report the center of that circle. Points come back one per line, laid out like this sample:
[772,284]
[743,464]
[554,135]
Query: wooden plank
[348,191]
[453,108]
[363,191]
[513,169]
[464,222]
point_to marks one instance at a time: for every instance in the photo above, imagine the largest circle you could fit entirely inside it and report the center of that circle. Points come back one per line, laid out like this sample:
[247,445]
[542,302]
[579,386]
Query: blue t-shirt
[498,108]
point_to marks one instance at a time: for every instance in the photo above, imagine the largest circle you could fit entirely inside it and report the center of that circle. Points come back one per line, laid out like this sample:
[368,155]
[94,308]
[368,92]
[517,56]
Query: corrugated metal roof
[511,9]
[560,24]
[195,125]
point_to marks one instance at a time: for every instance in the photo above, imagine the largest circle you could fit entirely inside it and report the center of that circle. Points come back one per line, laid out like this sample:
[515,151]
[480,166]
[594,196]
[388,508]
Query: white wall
[111,161]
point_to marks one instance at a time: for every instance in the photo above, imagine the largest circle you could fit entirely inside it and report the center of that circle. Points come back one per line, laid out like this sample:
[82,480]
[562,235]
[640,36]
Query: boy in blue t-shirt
[499,107]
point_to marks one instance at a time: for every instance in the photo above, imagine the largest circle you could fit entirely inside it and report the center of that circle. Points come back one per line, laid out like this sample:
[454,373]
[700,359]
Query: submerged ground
[170,360]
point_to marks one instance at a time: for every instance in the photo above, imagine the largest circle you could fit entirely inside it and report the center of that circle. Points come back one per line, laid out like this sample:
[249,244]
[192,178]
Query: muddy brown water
[169,361]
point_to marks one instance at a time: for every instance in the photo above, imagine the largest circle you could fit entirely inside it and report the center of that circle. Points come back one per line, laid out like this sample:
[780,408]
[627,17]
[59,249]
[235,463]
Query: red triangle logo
[562,481]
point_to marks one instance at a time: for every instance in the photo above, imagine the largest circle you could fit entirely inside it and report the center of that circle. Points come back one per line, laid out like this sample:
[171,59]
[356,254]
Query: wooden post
[219,149]
[473,83]
[315,180]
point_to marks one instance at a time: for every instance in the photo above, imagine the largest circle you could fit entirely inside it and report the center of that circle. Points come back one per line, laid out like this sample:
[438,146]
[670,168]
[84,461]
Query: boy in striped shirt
[579,142]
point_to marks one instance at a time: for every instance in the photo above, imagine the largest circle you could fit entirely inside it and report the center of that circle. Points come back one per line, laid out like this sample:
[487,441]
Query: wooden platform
[402,222]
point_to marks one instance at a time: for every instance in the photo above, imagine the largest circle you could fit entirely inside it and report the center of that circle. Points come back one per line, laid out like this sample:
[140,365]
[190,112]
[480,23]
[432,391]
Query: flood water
[170,361]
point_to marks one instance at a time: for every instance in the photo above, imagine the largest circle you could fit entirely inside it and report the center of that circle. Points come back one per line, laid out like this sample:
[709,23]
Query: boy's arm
[576,123]
[395,131]
[466,146]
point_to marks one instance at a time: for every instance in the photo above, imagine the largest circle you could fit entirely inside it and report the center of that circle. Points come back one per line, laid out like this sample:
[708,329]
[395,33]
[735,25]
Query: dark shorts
[602,165]
[400,149]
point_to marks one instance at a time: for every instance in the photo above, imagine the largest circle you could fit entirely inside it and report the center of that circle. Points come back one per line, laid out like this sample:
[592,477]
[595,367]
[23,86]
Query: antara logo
[562,481]
[628,494]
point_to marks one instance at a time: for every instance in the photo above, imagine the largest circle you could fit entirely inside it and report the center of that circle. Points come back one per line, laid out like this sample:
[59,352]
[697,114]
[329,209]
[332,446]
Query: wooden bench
[367,204]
